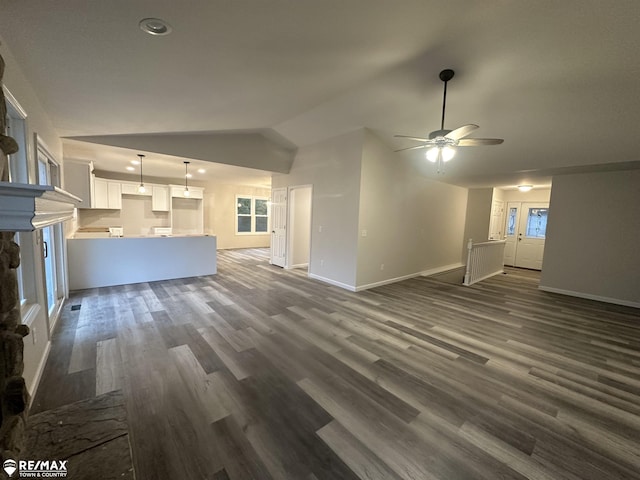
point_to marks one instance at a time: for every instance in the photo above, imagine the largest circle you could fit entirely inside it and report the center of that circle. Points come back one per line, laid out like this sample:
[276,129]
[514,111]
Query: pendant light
[186,176]
[141,188]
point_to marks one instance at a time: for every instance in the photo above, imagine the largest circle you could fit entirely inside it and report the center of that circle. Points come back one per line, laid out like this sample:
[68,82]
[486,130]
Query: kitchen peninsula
[102,262]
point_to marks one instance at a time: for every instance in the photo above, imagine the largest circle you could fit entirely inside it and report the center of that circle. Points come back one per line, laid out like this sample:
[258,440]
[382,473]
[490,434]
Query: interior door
[278,226]
[496,223]
[525,232]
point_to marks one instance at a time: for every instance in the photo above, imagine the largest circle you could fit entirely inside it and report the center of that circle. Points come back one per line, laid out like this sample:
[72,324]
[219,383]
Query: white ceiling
[558,80]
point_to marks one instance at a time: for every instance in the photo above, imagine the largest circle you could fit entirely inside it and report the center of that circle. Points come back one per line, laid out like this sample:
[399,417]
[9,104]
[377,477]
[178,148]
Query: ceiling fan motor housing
[438,133]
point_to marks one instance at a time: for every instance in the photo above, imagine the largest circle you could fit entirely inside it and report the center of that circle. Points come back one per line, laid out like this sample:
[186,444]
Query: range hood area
[27,207]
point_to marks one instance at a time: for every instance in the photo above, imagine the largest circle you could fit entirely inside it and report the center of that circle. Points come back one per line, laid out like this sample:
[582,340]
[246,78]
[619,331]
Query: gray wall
[593,237]
[478,217]
[332,167]
[412,224]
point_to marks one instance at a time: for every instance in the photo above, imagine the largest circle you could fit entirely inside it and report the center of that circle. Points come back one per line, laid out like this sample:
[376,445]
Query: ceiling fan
[442,143]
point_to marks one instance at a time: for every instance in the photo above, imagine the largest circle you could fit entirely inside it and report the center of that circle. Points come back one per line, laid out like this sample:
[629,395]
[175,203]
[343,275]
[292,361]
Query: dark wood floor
[261,373]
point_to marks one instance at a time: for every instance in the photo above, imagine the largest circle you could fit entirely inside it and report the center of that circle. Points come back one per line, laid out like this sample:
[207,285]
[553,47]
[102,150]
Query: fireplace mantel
[25,207]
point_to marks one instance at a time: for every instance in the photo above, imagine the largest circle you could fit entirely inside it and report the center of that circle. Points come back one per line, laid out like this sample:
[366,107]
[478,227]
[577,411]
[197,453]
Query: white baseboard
[351,288]
[387,281]
[36,379]
[424,273]
[588,296]
[445,268]
[298,265]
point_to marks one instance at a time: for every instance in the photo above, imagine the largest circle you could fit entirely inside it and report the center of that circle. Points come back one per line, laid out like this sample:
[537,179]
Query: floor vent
[75,307]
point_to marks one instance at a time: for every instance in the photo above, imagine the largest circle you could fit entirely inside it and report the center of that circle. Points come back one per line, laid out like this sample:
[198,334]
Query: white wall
[219,215]
[412,224]
[332,167]
[37,343]
[299,226]
[593,237]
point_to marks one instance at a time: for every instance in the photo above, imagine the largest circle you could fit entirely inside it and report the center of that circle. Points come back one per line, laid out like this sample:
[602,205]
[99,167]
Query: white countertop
[93,236]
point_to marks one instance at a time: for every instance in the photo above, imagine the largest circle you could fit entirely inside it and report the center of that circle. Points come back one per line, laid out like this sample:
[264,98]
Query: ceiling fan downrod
[445,76]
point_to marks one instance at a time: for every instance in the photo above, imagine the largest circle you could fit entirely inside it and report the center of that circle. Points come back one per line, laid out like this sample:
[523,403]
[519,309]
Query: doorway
[52,239]
[299,231]
[278,227]
[525,233]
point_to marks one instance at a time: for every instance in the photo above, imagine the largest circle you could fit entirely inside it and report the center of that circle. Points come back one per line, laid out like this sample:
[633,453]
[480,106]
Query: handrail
[484,260]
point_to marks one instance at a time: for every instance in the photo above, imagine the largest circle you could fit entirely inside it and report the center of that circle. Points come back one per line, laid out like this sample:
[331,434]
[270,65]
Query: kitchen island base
[104,262]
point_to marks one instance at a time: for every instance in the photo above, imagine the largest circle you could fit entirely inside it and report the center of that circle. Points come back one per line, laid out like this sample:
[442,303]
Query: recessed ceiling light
[155,26]
[201,170]
[131,169]
[525,188]
[188,175]
[135,162]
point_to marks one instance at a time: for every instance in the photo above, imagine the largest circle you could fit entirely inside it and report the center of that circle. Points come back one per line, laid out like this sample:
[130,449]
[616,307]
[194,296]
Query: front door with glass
[526,228]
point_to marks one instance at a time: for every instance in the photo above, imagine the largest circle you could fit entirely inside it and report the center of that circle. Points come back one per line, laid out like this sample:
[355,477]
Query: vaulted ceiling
[558,80]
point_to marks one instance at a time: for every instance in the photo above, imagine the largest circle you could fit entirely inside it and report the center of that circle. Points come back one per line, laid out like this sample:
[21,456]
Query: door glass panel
[537,222]
[511,221]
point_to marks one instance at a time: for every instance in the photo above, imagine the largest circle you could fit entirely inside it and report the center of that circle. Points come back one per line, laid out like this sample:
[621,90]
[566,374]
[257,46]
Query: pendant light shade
[141,188]
[186,176]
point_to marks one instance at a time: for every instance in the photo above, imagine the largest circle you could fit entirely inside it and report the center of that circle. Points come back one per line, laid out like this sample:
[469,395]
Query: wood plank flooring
[261,373]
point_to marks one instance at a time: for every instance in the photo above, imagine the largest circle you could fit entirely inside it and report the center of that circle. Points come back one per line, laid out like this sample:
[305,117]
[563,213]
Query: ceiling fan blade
[412,148]
[461,132]
[412,138]
[476,142]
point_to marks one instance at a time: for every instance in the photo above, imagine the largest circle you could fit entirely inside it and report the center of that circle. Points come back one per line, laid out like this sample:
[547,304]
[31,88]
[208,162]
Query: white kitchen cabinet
[107,194]
[160,198]
[129,188]
[177,191]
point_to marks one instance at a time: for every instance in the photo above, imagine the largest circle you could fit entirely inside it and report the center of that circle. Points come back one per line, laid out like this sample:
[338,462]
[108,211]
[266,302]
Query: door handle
[45,247]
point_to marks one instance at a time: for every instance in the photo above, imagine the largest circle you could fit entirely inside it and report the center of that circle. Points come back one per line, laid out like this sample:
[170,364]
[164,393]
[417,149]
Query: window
[537,222]
[252,215]
[19,173]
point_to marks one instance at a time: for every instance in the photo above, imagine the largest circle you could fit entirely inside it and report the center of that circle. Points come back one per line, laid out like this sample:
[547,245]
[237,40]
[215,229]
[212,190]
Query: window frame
[28,241]
[252,214]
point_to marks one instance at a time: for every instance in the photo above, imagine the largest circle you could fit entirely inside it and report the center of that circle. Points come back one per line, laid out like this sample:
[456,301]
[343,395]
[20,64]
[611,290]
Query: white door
[525,232]
[496,223]
[278,226]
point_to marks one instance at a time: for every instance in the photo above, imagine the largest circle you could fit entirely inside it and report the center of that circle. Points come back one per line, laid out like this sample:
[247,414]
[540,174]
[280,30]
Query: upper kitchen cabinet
[107,194]
[177,191]
[160,198]
[80,180]
[131,188]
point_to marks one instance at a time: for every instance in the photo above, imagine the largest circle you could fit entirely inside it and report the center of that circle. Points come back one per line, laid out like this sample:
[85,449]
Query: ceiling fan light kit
[442,143]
